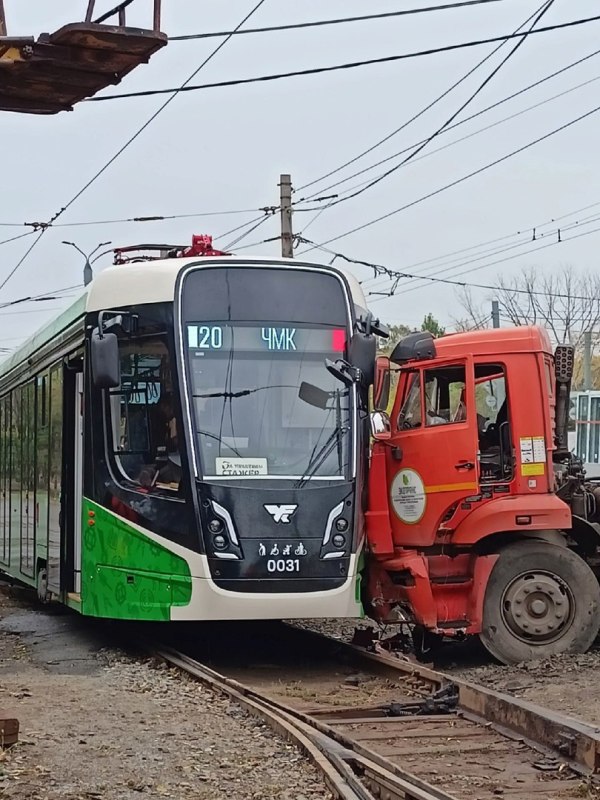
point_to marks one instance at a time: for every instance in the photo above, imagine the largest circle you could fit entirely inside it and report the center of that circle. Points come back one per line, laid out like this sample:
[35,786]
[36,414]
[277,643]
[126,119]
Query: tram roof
[129,284]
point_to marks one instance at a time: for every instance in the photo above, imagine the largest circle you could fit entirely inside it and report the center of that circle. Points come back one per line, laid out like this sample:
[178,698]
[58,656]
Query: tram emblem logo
[281,513]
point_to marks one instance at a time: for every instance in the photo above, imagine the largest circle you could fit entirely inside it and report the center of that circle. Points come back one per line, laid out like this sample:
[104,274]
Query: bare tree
[567,304]
[476,318]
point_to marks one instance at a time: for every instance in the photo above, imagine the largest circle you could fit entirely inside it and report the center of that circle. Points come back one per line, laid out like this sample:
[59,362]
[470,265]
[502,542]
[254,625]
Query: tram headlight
[338,540]
[219,542]
[215,525]
[341,525]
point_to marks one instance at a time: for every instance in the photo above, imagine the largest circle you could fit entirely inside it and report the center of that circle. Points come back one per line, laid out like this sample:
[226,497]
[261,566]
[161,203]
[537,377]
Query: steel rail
[576,742]
[342,762]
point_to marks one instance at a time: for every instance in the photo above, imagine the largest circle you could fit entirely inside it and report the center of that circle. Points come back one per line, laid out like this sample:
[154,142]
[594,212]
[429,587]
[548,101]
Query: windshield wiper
[333,440]
[242,392]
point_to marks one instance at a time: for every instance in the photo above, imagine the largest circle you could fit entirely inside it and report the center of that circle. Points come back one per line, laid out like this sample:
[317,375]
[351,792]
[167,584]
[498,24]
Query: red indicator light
[338,341]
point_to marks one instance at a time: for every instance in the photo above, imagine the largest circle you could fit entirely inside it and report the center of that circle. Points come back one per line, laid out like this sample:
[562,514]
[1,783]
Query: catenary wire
[424,110]
[250,222]
[345,66]
[250,230]
[326,22]
[463,122]
[20,262]
[121,150]
[558,233]
[543,10]
[511,258]
[397,275]
[14,238]
[462,179]
[468,136]
[531,230]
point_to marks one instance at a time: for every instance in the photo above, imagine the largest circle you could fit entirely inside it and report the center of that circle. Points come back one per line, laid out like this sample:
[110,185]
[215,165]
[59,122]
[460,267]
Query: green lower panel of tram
[127,575]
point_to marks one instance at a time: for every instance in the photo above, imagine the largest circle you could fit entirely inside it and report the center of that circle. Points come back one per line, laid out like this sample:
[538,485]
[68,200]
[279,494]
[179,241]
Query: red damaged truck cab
[462,495]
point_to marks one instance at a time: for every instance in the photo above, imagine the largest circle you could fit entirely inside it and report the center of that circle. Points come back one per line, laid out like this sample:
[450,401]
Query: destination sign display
[265,338]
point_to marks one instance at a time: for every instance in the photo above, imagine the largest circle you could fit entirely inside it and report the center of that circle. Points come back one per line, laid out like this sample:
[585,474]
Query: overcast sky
[223,149]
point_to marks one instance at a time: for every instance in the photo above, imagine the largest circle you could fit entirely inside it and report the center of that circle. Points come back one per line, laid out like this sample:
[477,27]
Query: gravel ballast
[126,728]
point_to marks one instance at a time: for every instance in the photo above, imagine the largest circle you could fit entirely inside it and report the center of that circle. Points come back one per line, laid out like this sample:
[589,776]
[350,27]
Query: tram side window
[143,419]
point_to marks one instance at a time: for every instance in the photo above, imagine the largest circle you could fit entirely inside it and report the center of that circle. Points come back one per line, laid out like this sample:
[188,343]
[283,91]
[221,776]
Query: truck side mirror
[104,354]
[381,427]
[381,388]
[362,351]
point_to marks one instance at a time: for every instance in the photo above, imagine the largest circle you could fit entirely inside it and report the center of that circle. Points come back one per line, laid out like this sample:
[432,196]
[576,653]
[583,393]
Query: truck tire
[541,599]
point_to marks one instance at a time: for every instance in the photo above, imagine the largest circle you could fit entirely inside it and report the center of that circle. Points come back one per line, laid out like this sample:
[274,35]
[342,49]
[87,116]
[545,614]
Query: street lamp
[87,270]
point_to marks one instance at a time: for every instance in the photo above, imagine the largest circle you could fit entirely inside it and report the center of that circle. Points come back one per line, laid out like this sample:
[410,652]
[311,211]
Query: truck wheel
[541,599]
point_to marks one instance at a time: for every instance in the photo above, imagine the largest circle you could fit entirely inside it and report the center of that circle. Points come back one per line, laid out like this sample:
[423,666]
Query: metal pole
[2,19]
[495,314]
[156,22]
[285,201]
[90,10]
[587,360]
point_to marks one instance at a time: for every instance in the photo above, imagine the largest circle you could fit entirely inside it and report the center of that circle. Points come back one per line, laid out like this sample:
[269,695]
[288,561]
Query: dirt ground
[96,724]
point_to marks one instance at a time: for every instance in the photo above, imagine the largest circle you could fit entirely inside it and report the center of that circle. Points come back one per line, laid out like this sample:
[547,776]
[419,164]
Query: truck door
[434,467]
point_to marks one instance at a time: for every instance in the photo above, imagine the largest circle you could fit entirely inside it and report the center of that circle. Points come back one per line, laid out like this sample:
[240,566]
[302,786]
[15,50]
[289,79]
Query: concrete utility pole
[495,314]
[285,201]
[587,360]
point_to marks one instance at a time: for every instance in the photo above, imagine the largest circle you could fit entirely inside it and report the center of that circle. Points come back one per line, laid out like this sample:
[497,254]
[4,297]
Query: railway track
[380,727]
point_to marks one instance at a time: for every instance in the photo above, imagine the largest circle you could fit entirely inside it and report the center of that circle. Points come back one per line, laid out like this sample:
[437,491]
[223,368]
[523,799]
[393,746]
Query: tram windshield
[264,404]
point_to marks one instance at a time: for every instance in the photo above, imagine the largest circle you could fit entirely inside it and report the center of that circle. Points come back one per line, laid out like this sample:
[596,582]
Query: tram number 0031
[283,565]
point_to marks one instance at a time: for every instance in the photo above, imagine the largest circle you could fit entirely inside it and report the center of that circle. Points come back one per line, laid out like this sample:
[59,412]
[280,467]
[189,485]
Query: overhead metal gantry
[58,70]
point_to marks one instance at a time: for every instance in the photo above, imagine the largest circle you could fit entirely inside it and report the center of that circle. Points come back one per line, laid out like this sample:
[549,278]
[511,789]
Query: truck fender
[545,512]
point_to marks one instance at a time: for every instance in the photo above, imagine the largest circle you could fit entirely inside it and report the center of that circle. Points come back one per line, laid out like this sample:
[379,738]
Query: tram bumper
[213,603]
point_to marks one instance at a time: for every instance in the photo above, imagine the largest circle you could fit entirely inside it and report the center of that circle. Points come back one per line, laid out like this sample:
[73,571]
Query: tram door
[55,478]
[72,477]
[78,480]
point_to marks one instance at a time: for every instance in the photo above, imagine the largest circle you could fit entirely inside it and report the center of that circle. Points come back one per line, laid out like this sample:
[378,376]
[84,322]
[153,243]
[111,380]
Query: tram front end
[266,366]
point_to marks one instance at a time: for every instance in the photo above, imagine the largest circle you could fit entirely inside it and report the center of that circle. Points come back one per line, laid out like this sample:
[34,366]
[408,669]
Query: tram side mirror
[381,427]
[381,387]
[104,350]
[362,352]
[313,395]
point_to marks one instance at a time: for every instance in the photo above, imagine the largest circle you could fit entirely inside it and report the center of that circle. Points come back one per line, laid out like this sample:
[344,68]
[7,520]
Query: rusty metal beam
[156,16]
[575,741]
[90,10]
[3,28]
[75,62]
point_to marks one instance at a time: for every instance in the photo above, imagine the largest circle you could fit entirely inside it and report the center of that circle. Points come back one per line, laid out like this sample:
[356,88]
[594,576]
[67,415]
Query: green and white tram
[188,442]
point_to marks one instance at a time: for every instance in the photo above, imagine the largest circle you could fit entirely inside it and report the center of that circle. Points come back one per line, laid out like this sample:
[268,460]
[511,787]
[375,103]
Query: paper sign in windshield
[241,467]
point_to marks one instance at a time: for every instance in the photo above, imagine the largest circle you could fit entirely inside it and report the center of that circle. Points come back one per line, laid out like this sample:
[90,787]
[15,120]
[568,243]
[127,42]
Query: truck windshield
[250,417]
